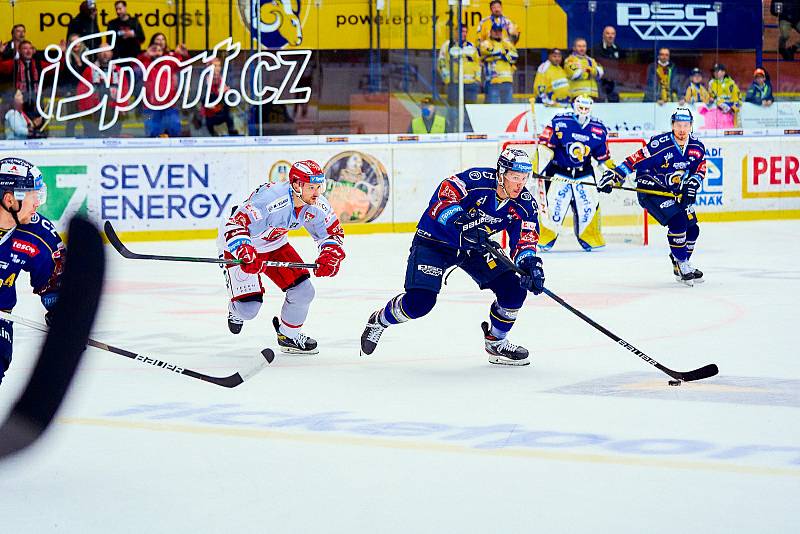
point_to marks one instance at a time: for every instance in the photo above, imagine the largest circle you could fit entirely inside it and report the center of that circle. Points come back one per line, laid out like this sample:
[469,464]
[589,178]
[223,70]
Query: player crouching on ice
[464,211]
[28,242]
[675,163]
[574,138]
[256,232]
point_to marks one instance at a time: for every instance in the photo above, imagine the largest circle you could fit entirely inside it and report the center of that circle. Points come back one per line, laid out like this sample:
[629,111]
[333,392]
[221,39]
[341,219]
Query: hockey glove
[246,253]
[330,257]
[689,188]
[608,180]
[473,235]
[533,279]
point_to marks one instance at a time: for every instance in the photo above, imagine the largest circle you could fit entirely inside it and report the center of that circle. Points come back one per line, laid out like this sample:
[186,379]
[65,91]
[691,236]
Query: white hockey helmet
[682,115]
[512,159]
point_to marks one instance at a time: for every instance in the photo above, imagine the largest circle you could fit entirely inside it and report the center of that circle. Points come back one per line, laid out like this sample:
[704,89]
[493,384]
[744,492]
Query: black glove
[610,178]
[48,318]
[689,188]
[474,234]
[533,279]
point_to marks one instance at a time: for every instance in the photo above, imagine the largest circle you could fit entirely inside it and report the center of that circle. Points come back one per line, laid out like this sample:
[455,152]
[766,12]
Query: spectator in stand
[68,84]
[130,36]
[724,92]
[164,81]
[18,124]
[91,124]
[696,92]
[610,52]
[608,46]
[448,62]
[24,74]
[10,50]
[788,19]
[499,57]
[582,71]
[551,86]
[220,113]
[760,91]
[428,122]
[510,30]
[662,80]
[85,23]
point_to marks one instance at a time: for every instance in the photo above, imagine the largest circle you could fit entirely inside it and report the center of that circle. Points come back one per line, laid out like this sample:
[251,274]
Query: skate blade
[499,360]
[290,350]
[699,280]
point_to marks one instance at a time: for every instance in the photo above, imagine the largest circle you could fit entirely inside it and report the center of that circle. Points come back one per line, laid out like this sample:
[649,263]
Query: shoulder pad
[477,176]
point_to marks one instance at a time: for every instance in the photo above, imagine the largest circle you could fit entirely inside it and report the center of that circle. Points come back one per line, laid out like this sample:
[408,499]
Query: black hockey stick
[624,188]
[63,347]
[698,374]
[120,247]
[226,381]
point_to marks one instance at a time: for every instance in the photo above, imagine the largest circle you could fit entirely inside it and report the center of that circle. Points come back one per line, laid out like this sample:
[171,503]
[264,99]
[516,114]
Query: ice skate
[372,333]
[502,351]
[300,344]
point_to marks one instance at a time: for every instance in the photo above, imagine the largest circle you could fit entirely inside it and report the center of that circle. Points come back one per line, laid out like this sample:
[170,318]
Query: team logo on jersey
[275,233]
[474,175]
[308,216]
[581,137]
[526,196]
[667,157]
[24,247]
[357,186]
[578,151]
[675,178]
[252,212]
[242,219]
[35,218]
[480,200]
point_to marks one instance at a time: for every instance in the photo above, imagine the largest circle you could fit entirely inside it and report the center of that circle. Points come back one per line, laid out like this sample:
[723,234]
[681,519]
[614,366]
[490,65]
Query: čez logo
[666,22]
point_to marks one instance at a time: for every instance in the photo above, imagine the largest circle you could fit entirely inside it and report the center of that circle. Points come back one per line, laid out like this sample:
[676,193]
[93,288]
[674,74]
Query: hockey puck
[674,382]
[268,354]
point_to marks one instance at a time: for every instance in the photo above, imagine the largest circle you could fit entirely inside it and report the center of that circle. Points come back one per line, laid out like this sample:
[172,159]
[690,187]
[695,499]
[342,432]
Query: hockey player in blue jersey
[28,242]
[672,162]
[463,212]
[574,138]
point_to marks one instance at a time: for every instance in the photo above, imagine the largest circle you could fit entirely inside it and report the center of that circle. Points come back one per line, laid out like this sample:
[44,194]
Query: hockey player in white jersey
[256,232]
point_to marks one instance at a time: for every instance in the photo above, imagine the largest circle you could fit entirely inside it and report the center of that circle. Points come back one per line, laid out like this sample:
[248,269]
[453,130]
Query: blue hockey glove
[689,188]
[533,279]
[474,234]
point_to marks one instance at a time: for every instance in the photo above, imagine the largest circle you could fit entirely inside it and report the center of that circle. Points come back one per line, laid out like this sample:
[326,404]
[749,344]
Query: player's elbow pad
[449,214]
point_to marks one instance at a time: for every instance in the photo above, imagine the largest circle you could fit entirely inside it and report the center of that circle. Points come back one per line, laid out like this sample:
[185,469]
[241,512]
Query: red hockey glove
[329,259]
[247,254]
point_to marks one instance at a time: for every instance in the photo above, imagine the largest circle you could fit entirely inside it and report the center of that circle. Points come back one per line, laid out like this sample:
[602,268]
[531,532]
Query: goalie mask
[582,106]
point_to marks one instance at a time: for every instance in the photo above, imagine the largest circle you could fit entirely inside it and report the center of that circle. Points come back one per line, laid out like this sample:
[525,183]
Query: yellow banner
[311,24]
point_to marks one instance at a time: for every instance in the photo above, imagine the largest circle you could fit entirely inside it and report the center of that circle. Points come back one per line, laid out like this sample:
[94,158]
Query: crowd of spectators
[490,62]
[21,67]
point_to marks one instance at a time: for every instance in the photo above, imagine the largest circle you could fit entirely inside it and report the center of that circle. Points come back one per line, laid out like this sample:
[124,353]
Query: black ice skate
[234,323]
[502,351]
[697,274]
[301,344]
[372,333]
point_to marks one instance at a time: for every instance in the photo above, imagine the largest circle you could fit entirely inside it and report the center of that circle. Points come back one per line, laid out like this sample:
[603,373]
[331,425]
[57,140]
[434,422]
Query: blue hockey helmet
[20,176]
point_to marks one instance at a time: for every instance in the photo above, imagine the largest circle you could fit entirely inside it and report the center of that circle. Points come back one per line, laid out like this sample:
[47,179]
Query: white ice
[425,435]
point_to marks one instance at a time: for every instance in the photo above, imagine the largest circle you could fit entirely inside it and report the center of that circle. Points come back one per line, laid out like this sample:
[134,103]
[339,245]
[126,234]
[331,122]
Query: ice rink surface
[425,435]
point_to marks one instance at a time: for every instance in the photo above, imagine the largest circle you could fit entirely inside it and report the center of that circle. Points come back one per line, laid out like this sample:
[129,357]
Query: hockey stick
[689,376]
[63,347]
[116,242]
[227,381]
[624,188]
